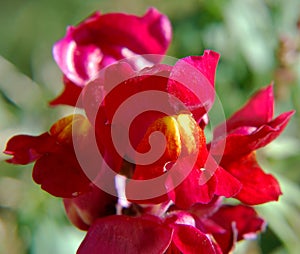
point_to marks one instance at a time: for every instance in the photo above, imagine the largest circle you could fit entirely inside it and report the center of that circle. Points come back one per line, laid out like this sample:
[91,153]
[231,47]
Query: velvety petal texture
[190,240]
[103,39]
[250,128]
[257,186]
[60,174]
[128,235]
[239,222]
[56,167]
[83,210]
[246,139]
[191,191]
[25,149]
[192,81]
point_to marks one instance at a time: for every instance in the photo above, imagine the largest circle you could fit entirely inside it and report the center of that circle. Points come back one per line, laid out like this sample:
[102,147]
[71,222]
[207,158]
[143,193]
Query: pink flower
[101,40]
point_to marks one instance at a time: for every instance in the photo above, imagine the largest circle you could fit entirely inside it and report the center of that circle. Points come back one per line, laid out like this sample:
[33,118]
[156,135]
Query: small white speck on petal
[75,194]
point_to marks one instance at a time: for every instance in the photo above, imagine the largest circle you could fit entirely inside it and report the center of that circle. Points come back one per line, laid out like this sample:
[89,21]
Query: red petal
[85,209]
[204,210]
[60,174]
[57,168]
[241,142]
[26,149]
[192,81]
[256,112]
[258,187]
[154,79]
[128,235]
[240,222]
[102,39]
[156,190]
[96,90]
[69,96]
[129,128]
[227,185]
[191,191]
[190,240]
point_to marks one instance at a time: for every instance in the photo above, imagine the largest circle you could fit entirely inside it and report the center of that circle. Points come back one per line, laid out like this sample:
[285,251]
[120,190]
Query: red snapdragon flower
[212,229]
[103,39]
[186,215]
[249,129]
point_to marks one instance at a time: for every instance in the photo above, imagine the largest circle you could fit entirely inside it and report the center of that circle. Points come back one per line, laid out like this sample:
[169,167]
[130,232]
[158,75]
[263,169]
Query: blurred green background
[259,41]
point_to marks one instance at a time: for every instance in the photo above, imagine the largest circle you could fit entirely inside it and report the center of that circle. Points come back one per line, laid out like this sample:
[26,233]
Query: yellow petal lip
[169,127]
[182,134]
[191,134]
[68,126]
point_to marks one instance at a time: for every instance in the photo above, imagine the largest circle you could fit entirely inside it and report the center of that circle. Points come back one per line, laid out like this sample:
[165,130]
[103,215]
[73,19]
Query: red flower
[249,129]
[101,40]
[185,138]
[104,96]
[198,177]
[181,211]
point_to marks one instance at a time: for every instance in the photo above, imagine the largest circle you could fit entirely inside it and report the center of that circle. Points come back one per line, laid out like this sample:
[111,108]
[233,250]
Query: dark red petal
[240,222]
[173,249]
[190,191]
[204,210]
[227,185]
[69,96]
[86,208]
[256,112]
[192,81]
[208,226]
[111,156]
[190,240]
[258,187]
[60,174]
[241,142]
[26,149]
[145,172]
[128,235]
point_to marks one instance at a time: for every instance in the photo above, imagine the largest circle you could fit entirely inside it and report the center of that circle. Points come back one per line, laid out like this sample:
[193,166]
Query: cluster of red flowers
[182,210]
